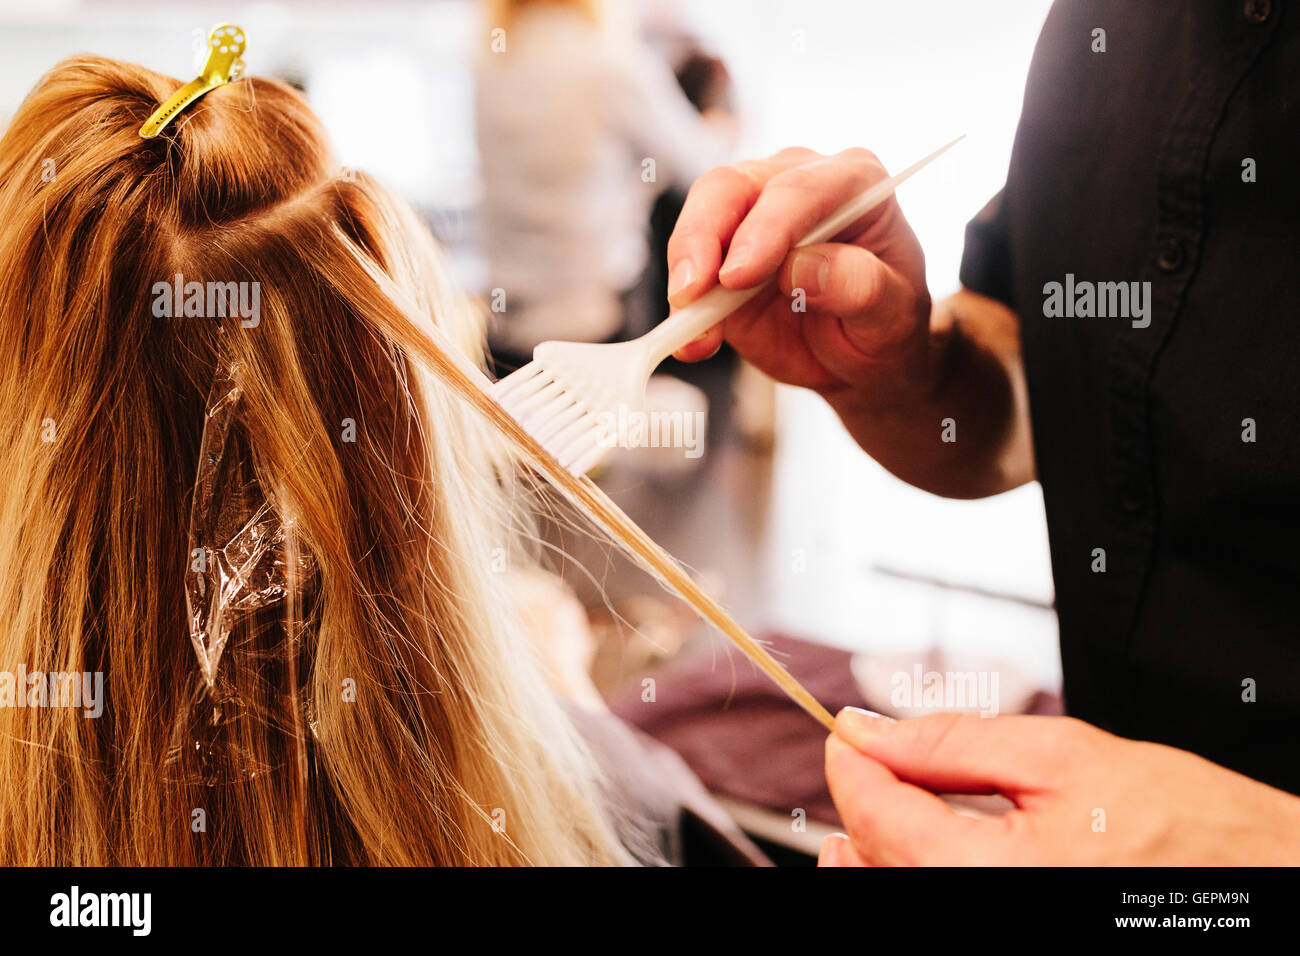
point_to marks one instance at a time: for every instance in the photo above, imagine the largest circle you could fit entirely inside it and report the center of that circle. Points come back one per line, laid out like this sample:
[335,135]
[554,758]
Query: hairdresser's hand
[1082,795]
[866,325]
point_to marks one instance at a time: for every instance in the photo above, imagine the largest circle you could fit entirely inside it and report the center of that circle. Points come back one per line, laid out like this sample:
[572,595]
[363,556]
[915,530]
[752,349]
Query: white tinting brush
[563,394]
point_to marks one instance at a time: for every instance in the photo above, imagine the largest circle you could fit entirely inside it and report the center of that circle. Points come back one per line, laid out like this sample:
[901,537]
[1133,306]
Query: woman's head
[381,710]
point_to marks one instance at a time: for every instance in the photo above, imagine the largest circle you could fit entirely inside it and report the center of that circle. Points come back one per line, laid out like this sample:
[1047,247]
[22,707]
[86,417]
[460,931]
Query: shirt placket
[1174,253]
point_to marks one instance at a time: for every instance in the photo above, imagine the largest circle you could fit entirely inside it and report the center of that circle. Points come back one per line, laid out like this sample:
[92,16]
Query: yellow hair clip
[225,47]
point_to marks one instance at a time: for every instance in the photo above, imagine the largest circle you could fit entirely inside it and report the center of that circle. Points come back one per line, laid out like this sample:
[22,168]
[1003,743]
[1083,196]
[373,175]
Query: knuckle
[721,180]
[796,153]
[818,177]
[861,165]
[748,174]
[939,735]
[860,156]
[800,179]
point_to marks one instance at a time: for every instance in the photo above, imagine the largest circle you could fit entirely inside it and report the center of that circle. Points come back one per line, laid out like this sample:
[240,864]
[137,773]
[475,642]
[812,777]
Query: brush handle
[688,324]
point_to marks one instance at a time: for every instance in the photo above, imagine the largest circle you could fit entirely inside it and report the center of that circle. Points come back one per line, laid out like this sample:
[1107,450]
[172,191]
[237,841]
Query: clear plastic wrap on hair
[242,562]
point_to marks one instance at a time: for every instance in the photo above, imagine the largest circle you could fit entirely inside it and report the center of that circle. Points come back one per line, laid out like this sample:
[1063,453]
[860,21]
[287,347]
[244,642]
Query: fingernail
[862,712]
[830,849]
[810,272]
[863,723]
[737,256]
[681,276]
[700,338]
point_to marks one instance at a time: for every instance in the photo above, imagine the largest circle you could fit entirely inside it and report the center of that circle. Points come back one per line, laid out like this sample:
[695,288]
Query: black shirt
[1133,165]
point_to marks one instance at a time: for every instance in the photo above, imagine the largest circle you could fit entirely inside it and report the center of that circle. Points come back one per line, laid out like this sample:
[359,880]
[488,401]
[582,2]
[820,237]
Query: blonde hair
[453,751]
[504,13]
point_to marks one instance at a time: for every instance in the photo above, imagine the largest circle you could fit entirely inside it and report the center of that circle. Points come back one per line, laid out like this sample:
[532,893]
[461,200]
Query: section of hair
[394,699]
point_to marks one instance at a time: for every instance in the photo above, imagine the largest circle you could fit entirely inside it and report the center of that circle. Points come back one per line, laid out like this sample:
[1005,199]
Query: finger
[714,206]
[706,344]
[892,822]
[966,753]
[837,850]
[703,347]
[877,306]
[790,205]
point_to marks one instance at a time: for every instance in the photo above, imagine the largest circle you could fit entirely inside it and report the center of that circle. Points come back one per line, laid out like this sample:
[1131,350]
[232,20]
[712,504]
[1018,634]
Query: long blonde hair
[388,710]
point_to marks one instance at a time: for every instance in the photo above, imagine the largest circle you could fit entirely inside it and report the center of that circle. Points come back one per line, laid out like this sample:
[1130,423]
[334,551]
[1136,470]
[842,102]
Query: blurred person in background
[579,130]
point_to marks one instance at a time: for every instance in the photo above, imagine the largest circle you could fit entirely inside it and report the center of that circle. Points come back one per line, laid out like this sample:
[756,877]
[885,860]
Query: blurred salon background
[549,146]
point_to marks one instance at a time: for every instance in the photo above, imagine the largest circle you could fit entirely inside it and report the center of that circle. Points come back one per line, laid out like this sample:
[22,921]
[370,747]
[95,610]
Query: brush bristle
[556,419]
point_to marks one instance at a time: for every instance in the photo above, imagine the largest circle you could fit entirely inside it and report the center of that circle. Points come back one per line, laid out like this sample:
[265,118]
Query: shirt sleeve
[651,111]
[986,259]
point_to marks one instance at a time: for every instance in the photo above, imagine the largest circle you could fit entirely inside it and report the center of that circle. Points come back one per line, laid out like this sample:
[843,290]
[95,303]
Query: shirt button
[1171,256]
[1257,11]
[1132,496]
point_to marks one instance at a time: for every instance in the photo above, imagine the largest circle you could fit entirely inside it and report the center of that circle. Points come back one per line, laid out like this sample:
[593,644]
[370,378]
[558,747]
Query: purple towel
[740,734]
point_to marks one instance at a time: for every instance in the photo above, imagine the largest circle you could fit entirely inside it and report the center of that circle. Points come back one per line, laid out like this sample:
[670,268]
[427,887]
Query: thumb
[876,304]
[965,753]
[893,822]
